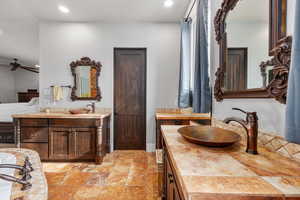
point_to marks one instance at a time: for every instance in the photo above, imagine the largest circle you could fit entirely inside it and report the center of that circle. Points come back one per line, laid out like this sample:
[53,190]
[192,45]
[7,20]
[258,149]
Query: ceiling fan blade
[33,68]
[30,69]
[4,65]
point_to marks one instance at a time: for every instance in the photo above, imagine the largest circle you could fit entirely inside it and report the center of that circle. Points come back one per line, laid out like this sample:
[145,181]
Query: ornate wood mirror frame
[95,71]
[279,48]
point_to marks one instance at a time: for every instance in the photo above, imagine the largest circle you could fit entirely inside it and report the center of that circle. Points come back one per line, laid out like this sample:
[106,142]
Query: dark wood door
[85,146]
[236,69]
[129,98]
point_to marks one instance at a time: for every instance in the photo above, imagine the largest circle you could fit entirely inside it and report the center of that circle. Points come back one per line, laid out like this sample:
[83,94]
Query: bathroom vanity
[205,173]
[64,137]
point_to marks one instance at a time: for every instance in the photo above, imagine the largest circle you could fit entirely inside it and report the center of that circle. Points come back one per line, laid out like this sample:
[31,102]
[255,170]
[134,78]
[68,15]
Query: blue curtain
[201,94]
[293,95]
[184,97]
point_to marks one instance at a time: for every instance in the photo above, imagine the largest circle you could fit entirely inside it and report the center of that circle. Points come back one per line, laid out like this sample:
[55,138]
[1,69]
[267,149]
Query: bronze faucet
[251,127]
[93,106]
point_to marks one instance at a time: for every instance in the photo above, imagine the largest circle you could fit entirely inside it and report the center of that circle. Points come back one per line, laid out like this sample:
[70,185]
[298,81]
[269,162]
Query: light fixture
[63,9]
[37,66]
[168,3]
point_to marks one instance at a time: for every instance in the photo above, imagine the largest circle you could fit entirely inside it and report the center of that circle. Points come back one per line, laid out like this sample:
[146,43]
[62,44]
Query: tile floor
[123,175]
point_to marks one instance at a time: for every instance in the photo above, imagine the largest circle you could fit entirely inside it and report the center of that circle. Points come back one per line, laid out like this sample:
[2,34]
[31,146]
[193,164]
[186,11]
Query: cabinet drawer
[72,123]
[34,122]
[34,134]
[41,148]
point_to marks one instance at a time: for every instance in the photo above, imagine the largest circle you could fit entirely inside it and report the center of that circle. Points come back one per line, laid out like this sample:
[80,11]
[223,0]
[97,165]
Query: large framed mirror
[253,44]
[278,23]
[86,73]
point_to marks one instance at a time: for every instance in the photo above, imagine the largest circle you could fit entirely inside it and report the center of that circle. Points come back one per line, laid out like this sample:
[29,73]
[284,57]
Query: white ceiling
[19,19]
[94,10]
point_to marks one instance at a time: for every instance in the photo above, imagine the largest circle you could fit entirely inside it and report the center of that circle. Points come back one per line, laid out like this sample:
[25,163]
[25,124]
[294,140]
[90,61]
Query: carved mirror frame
[281,53]
[86,61]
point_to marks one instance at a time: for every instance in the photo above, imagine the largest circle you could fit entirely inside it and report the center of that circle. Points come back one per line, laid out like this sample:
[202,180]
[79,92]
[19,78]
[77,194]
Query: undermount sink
[209,136]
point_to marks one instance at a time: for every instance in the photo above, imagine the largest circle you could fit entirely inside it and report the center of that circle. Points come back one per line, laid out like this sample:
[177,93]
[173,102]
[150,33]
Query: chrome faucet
[251,127]
[93,106]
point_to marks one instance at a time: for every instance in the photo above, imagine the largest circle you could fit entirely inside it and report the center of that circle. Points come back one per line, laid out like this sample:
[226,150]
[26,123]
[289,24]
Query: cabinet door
[61,143]
[41,148]
[170,183]
[171,189]
[176,193]
[85,143]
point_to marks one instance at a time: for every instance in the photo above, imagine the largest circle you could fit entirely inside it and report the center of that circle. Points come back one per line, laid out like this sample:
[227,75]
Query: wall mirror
[252,46]
[86,73]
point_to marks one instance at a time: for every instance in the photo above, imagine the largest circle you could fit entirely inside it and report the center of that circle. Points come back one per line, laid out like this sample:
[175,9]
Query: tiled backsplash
[270,141]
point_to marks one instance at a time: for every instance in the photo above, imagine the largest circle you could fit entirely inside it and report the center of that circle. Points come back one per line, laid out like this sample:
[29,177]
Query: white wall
[271,113]
[25,80]
[19,39]
[7,86]
[13,82]
[61,43]
[253,36]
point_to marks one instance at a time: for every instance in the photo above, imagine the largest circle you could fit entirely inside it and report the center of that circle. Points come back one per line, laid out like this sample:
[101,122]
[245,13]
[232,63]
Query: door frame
[145,92]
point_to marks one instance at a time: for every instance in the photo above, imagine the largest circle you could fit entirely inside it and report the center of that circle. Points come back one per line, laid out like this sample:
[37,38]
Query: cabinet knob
[171,180]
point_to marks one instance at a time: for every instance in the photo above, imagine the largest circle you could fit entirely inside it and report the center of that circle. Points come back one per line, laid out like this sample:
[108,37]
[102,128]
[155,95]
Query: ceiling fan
[15,65]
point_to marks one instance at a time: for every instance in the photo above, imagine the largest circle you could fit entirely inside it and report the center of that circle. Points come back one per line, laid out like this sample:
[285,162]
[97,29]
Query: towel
[57,93]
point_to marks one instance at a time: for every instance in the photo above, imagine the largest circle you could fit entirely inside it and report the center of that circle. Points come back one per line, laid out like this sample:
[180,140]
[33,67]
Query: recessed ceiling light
[63,9]
[168,3]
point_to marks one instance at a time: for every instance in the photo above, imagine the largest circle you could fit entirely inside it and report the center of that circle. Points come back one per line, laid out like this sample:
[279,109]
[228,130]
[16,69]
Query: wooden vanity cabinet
[171,189]
[72,143]
[65,139]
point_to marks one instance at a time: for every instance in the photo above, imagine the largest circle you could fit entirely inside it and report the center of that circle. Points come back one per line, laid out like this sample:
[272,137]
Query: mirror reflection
[86,81]
[247,28]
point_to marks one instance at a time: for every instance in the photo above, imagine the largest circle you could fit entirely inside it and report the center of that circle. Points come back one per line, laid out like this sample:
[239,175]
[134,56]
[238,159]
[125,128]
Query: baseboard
[150,147]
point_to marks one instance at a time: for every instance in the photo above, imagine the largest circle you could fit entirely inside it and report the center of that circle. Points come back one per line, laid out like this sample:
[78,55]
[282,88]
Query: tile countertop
[191,116]
[63,115]
[230,173]
[39,189]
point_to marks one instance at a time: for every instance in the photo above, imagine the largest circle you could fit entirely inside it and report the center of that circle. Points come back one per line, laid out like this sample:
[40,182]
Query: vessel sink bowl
[79,111]
[209,136]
